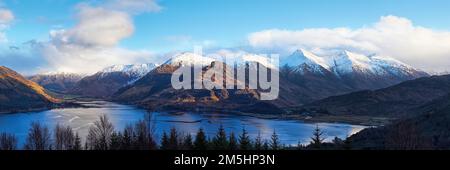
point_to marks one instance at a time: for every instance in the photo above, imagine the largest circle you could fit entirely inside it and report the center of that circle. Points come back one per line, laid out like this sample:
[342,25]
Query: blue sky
[181,24]
[227,22]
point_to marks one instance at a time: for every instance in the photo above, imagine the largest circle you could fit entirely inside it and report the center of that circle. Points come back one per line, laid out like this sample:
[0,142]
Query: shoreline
[347,119]
[353,120]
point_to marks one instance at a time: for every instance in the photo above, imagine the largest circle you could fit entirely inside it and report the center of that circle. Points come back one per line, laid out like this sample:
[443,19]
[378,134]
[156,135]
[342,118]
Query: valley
[341,91]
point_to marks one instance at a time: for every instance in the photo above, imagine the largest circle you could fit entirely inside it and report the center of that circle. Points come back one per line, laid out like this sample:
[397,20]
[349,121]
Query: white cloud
[398,37]
[96,27]
[6,16]
[93,43]
[79,59]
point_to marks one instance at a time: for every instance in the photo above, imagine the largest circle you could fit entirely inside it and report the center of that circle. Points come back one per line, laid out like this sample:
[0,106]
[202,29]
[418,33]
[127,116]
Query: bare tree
[99,137]
[143,136]
[64,138]
[38,138]
[8,141]
[150,121]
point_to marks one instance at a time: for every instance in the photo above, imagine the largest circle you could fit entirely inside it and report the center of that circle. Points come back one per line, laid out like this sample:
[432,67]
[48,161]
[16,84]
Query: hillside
[389,102]
[429,129]
[19,94]
[58,82]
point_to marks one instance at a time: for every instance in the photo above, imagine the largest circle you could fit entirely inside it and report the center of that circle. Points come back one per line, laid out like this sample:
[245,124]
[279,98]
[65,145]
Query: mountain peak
[135,70]
[348,62]
[302,58]
[189,58]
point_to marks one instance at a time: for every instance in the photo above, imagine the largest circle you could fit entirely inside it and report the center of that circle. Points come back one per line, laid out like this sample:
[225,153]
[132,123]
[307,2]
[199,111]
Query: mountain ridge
[19,94]
[57,82]
[107,81]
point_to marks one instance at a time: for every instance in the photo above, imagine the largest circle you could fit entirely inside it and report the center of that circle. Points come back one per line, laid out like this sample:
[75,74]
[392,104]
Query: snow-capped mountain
[391,66]
[106,82]
[353,70]
[186,59]
[348,63]
[304,61]
[135,70]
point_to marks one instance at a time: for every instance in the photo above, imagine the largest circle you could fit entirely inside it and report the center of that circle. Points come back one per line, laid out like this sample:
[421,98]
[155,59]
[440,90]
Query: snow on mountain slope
[348,62]
[136,70]
[305,57]
[302,60]
[185,59]
[394,67]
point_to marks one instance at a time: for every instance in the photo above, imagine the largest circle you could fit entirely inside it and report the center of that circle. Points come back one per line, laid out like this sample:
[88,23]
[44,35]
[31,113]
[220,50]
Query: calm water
[80,119]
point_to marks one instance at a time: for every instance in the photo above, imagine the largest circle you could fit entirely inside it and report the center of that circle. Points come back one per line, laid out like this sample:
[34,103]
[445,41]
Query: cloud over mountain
[93,43]
[422,47]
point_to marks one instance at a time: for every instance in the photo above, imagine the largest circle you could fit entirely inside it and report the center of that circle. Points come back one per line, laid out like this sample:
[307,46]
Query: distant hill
[57,82]
[19,94]
[428,129]
[393,101]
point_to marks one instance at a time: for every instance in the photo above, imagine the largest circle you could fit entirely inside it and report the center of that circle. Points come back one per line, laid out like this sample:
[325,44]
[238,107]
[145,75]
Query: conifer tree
[245,142]
[77,145]
[232,142]
[173,139]
[127,139]
[274,143]
[116,141]
[258,142]
[317,139]
[220,141]
[165,142]
[266,145]
[200,143]
[187,142]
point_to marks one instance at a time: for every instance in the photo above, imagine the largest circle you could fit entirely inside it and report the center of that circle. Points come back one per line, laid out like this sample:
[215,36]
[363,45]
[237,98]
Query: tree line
[141,136]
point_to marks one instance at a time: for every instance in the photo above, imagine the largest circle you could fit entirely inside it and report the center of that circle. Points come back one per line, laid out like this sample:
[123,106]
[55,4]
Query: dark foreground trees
[8,141]
[66,139]
[102,136]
